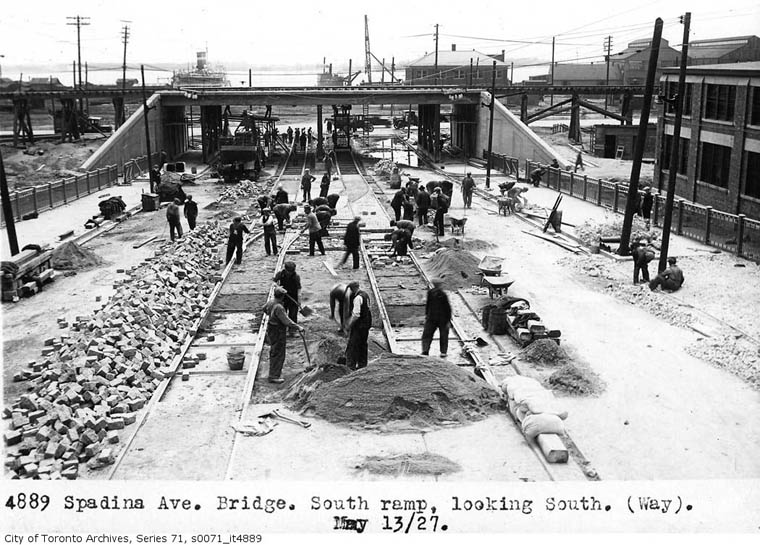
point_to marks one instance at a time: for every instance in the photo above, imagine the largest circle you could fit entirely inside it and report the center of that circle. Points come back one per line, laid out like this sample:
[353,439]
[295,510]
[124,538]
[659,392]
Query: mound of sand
[422,391]
[575,380]
[457,268]
[72,257]
[329,349]
[426,463]
[545,352]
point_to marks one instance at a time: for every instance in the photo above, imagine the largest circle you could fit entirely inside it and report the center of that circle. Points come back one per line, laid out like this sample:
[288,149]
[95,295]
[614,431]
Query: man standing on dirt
[270,235]
[235,242]
[306,181]
[173,217]
[671,279]
[440,211]
[191,211]
[423,205]
[579,162]
[397,202]
[324,185]
[408,206]
[642,254]
[315,231]
[646,205]
[359,323]
[281,197]
[277,334]
[289,280]
[352,241]
[339,294]
[468,186]
[437,316]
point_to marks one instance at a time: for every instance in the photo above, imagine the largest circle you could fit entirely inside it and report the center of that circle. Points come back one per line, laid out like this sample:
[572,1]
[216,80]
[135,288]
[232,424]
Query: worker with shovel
[289,280]
[359,323]
[276,333]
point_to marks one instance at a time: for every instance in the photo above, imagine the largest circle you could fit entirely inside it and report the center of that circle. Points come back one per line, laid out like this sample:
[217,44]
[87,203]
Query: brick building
[454,68]
[719,163]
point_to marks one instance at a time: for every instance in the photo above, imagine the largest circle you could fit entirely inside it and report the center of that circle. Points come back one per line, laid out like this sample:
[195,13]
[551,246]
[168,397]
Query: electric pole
[641,138]
[367,51]
[490,126]
[79,22]
[674,145]
[435,68]
[608,47]
[124,39]
[551,103]
[147,127]
[10,224]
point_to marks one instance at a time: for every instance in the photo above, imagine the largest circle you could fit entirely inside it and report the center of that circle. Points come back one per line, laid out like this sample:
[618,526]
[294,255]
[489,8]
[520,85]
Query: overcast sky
[295,31]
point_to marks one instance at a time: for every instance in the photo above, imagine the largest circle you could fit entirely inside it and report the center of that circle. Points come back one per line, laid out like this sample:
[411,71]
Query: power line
[79,22]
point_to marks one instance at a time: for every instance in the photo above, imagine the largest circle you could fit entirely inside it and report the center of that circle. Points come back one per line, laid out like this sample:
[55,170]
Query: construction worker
[303,140]
[442,207]
[264,201]
[536,175]
[281,196]
[517,197]
[408,206]
[358,325]
[270,235]
[468,186]
[282,213]
[306,181]
[642,252]
[352,241]
[297,137]
[315,236]
[324,185]
[290,135]
[289,280]
[397,203]
[324,215]
[423,205]
[172,216]
[437,316]
[412,190]
[578,162]
[404,224]
[646,205]
[277,334]
[671,279]
[339,294]
[402,241]
[332,200]
[235,242]
[191,211]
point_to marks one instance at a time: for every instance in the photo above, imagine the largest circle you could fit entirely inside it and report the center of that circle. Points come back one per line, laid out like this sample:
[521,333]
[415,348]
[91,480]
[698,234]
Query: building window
[671,91]
[460,74]
[752,174]
[683,154]
[719,102]
[716,162]
[419,74]
[498,74]
[755,113]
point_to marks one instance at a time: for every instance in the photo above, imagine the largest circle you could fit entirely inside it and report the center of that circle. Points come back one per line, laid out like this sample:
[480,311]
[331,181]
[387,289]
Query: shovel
[480,341]
[274,413]
[305,347]
[304,310]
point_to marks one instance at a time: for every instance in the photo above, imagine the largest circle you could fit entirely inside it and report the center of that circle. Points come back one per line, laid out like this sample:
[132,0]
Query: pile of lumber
[89,382]
[523,324]
[25,273]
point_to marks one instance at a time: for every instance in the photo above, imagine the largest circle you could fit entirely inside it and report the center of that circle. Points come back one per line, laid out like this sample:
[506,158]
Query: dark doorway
[610,145]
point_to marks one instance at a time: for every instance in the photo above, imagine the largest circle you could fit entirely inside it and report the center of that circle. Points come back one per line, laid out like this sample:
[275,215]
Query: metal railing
[135,167]
[44,197]
[731,232]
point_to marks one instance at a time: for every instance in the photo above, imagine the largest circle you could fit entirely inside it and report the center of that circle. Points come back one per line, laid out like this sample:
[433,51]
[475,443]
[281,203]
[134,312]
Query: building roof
[637,46]
[595,72]
[730,68]
[456,58]
[717,47]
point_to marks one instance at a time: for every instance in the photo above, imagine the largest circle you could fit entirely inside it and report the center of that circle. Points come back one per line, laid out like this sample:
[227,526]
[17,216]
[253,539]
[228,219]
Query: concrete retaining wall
[511,137]
[128,141]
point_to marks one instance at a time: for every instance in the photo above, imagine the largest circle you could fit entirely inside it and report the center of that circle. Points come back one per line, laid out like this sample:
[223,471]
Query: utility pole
[641,137]
[367,51]
[393,70]
[512,74]
[490,126]
[435,68]
[551,103]
[10,224]
[147,128]
[79,22]
[470,72]
[124,39]
[608,47]
[382,74]
[674,145]
[86,86]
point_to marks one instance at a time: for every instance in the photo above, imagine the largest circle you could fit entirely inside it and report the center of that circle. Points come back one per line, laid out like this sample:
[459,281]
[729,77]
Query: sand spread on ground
[574,379]
[421,391]
[545,352]
[71,257]
[457,268]
[425,463]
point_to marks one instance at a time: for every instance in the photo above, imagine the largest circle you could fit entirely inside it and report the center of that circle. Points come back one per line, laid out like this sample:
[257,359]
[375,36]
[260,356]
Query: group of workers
[643,252]
[414,199]
[173,217]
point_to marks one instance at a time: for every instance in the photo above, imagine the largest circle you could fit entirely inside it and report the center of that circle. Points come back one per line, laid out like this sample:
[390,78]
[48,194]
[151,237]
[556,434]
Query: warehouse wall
[128,142]
[510,136]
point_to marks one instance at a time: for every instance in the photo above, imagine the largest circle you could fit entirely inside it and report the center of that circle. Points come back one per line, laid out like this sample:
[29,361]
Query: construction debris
[92,380]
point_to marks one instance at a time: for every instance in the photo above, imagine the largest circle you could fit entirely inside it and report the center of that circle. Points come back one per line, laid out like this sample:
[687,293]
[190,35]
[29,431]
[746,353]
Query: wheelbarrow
[490,265]
[457,224]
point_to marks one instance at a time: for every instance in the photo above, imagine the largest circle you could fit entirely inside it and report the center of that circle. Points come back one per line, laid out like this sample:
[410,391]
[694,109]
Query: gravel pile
[457,268]
[612,225]
[243,190]
[90,382]
[72,257]
[653,302]
[739,356]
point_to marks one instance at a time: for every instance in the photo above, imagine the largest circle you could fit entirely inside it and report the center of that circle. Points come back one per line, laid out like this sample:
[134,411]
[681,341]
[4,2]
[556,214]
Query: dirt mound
[72,257]
[299,391]
[457,268]
[470,244]
[545,352]
[422,392]
[575,380]
[426,463]
[329,349]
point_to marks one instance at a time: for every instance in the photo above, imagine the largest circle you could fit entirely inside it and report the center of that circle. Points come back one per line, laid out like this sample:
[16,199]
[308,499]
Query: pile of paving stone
[243,190]
[734,353]
[651,301]
[91,381]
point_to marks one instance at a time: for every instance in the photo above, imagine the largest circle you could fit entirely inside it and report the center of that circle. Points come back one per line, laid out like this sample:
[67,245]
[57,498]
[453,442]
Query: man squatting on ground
[359,323]
[671,279]
[235,242]
[437,316]
[277,334]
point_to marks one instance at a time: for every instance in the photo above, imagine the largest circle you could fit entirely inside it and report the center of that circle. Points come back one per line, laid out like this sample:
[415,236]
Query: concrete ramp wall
[511,136]
[128,142]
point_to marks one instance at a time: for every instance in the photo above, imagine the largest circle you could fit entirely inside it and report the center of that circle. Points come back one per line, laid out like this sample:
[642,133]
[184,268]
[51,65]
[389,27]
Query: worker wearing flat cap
[352,242]
[289,280]
[671,279]
[437,316]
[358,325]
[277,334]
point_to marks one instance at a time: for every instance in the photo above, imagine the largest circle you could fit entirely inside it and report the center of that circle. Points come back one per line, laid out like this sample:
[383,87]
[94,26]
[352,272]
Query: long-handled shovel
[304,310]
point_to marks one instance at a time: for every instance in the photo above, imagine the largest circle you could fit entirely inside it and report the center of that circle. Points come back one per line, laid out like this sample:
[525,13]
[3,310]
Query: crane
[367,51]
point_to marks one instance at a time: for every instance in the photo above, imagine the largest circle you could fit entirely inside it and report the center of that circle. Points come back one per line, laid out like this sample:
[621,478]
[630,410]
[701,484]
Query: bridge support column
[320,146]
[429,130]
[626,110]
[69,122]
[574,133]
[22,123]
[211,130]
[174,130]
[524,108]
[118,111]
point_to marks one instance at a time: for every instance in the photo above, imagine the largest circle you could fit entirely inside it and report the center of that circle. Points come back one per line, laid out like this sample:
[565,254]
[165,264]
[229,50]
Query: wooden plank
[329,268]
[144,242]
[553,448]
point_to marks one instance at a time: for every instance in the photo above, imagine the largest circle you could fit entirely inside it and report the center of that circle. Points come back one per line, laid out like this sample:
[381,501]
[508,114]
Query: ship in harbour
[203,75]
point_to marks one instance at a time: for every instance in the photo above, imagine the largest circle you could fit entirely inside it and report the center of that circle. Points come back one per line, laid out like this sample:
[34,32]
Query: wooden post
[320,148]
[615,199]
[63,186]
[18,207]
[708,223]
[655,209]
[740,235]
[34,198]
[572,181]
[599,192]
[76,183]
[679,229]
[585,187]
[50,193]
[89,189]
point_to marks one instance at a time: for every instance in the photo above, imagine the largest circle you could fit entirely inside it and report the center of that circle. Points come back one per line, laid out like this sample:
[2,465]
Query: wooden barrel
[497,321]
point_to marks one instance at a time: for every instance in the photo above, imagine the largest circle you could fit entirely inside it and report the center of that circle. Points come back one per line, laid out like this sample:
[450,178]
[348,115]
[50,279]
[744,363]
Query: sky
[297,32]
